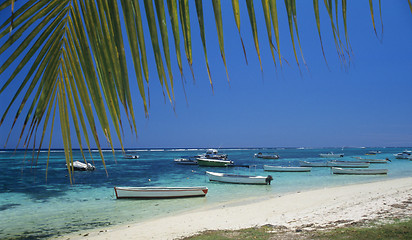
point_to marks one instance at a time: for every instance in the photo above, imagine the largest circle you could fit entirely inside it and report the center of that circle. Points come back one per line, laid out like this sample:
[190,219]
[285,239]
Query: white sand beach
[300,210]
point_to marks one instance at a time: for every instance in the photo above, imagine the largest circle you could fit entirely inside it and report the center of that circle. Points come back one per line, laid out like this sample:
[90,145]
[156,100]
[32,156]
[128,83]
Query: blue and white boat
[332,155]
[406,154]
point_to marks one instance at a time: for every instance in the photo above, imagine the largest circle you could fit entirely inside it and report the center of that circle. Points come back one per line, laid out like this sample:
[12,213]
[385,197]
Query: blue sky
[367,104]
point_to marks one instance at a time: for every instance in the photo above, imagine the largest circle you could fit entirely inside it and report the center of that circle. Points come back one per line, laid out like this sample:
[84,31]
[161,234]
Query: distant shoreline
[322,207]
[200,148]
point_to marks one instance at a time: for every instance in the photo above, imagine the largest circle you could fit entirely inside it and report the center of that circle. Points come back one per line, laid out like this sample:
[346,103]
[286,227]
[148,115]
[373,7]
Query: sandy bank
[296,210]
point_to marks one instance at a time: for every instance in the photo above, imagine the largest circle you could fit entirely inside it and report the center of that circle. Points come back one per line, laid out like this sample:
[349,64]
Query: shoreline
[319,208]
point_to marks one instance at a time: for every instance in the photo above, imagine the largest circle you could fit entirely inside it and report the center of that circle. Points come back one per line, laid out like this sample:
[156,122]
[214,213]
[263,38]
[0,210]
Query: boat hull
[267,156]
[213,162]
[348,164]
[286,169]
[159,192]
[373,160]
[335,164]
[313,164]
[239,179]
[359,171]
[331,155]
[185,161]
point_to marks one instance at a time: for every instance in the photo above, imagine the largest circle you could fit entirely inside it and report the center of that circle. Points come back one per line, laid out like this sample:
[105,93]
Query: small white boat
[403,155]
[286,169]
[159,192]
[348,164]
[367,160]
[373,152]
[131,156]
[313,164]
[242,179]
[185,161]
[267,156]
[79,166]
[350,171]
[331,155]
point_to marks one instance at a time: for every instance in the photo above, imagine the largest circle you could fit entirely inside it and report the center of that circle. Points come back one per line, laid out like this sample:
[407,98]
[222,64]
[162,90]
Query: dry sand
[301,210]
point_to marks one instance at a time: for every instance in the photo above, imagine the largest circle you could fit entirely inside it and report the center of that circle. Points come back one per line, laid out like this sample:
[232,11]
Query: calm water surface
[33,207]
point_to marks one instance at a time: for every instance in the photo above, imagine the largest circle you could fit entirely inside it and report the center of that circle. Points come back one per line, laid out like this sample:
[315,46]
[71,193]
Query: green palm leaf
[266,13]
[199,10]
[252,18]
[236,14]
[316,9]
[219,25]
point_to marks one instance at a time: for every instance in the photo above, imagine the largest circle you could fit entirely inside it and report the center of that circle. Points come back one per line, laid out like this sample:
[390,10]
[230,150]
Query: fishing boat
[267,156]
[348,164]
[185,161]
[241,179]
[367,160]
[373,152]
[286,169]
[213,154]
[131,156]
[406,154]
[313,164]
[350,171]
[159,192]
[331,155]
[79,166]
[206,162]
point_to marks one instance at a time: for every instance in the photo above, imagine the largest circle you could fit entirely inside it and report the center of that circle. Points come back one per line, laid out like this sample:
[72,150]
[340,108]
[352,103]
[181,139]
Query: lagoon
[33,207]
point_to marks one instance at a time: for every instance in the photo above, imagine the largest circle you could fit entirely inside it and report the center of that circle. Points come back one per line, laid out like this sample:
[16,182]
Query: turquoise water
[32,207]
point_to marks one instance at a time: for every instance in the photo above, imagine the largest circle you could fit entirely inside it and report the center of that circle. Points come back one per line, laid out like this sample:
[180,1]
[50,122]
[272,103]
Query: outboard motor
[268,180]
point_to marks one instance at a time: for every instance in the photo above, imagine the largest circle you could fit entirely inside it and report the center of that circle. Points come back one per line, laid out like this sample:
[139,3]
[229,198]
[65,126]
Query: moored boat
[332,155]
[185,161]
[213,154]
[373,152]
[206,162]
[406,154]
[131,156]
[313,164]
[160,192]
[285,169]
[349,171]
[79,166]
[367,160]
[241,179]
[348,164]
[267,156]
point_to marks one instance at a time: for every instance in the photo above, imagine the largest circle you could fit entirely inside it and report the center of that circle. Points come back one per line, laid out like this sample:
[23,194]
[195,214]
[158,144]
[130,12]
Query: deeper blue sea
[35,207]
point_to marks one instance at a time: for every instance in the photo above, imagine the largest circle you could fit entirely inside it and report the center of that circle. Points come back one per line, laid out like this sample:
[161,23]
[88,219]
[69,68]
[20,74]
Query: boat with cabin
[79,166]
[240,179]
[213,154]
[406,154]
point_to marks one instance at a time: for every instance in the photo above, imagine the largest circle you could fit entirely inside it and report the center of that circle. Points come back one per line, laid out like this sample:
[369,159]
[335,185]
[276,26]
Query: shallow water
[32,207]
